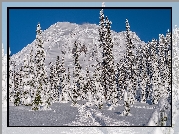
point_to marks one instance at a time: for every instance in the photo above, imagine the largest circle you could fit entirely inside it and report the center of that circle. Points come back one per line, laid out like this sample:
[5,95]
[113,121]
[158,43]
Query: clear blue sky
[147,23]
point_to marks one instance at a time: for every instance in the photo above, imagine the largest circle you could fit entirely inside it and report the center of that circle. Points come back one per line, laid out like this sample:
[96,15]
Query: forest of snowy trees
[143,74]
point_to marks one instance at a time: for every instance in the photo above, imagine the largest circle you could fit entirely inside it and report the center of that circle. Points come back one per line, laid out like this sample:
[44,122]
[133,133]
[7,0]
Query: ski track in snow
[96,118]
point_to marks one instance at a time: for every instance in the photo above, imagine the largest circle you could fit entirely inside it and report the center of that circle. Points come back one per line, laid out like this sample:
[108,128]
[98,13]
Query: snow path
[92,117]
[107,121]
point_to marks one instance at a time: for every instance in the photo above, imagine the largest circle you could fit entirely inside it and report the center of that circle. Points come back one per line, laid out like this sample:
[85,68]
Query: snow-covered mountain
[59,39]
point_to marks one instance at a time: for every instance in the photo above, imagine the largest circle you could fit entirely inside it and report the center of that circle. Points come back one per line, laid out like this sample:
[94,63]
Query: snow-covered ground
[65,114]
[60,114]
[81,130]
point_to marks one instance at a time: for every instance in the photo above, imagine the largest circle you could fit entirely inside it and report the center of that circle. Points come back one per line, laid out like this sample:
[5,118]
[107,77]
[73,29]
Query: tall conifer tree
[41,91]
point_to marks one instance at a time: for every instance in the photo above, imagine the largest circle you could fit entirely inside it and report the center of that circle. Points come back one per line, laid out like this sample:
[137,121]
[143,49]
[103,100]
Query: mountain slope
[59,40]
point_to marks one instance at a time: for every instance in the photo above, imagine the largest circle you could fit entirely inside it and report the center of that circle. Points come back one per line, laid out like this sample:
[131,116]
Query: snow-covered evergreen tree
[41,91]
[122,78]
[31,81]
[113,93]
[161,77]
[144,76]
[76,92]
[17,92]
[168,66]
[154,66]
[127,103]
[143,93]
[102,34]
[156,82]
[57,80]
[108,74]
[99,97]
[88,88]
[64,83]
[26,100]
[51,81]
[129,58]
[21,85]
[139,69]
[11,74]
[117,74]
[161,61]
[149,72]
[68,86]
